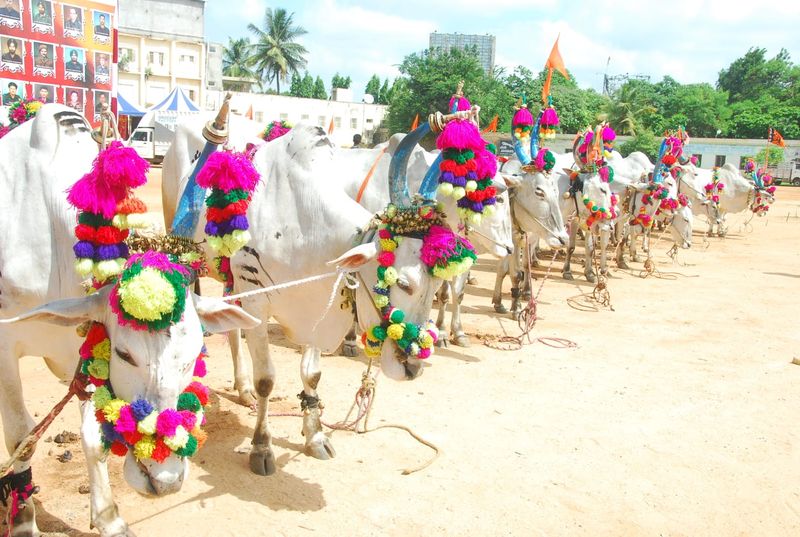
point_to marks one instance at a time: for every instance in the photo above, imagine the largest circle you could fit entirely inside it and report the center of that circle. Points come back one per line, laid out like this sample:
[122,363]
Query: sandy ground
[676,415]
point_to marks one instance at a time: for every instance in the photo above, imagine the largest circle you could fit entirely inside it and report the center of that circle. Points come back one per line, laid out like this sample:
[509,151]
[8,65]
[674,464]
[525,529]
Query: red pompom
[119,449]
[199,390]
[100,416]
[131,205]
[111,235]
[85,233]
[132,437]
[161,451]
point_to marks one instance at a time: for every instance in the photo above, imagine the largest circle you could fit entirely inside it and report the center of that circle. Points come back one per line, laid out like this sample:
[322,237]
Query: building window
[187,58]
[156,58]
[353,122]
[304,117]
[212,48]
[211,83]
[719,160]
[129,53]
[191,94]
[259,117]
[369,121]
[284,117]
[699,158]
[321,121]
[337,122]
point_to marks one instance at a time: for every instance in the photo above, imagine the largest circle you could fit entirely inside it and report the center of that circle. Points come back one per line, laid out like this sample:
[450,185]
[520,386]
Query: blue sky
[690,40]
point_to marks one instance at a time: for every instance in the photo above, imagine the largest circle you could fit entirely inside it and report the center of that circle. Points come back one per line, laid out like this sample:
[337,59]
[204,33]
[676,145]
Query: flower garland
[20,112]
[642,219]
[598,214]
[275,129]
[608,136]
[522,124]
[544,161]
[444,253]
[715,187]
[107,209]
[760,204]
[136,425]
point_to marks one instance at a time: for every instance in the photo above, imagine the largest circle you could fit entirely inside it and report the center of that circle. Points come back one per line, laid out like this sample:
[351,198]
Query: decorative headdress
[275,129]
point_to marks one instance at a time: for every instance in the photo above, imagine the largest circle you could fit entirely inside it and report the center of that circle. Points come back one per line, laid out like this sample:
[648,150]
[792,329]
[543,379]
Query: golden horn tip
[216,131]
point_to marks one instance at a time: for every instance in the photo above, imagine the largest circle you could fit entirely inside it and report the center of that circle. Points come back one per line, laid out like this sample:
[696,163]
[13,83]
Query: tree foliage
[340,82]
[319,91]
[374,87]
[276,55]
[237,62]
[644,141]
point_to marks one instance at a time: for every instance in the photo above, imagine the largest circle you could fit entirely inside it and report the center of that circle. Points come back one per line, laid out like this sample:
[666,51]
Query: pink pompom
[189,419]
[168,421]
[126,422]
[608,134]
[603,172]
[228,170]
[485,164]
[522,117]
[386,259]
[199,368]
[462,104]
[549,117]
[460,134]
[434,335]
[384,233]
[424,353]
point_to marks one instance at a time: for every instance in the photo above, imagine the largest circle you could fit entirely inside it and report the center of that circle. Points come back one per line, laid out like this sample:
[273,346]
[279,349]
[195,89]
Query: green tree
[276,55]
[237,62]
[627,108]
[307,86]
[384,93]
[295,87]
[319,89]
[340,82]
[373,87]
[753,76]
[776,155]
[644,141]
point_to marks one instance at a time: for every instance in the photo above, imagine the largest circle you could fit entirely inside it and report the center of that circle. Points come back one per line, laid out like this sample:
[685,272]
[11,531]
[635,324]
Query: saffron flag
[330,127]
[775,138]
[249,113]
[554,61]
[492,126]
[415,123]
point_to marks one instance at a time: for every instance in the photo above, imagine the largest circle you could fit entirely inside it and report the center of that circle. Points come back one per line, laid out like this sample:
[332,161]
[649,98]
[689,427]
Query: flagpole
[766,151]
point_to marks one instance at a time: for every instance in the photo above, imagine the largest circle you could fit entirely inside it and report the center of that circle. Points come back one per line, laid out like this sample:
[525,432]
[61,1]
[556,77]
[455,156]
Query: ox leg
[104,513]
[443,296]
[262,459]
[497,297]
[472,280]
[632,246]
[17,423]
[588,268]
[566,272]
[604,238]
[517,276]
[457,287]
[620,232]
[317,444]
[242,370]
[350,345]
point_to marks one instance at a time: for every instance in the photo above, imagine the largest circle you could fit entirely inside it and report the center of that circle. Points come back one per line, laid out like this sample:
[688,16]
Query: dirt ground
[675,415]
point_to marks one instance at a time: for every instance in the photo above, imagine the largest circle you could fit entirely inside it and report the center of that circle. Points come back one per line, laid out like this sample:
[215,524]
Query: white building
[160,46]
[348,118]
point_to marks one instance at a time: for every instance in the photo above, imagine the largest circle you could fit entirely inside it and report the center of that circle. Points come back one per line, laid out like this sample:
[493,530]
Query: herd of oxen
[303,220]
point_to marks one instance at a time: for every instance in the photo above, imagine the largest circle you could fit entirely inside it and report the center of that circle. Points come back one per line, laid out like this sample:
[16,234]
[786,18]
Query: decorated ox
[148,369]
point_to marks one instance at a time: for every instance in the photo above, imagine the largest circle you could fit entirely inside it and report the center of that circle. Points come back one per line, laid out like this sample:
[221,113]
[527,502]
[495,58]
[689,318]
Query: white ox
[301,220]
[39,161]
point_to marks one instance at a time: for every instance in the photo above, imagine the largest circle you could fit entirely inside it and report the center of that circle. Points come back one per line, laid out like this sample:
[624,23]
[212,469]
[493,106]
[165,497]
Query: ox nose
[161,482]
[413,370]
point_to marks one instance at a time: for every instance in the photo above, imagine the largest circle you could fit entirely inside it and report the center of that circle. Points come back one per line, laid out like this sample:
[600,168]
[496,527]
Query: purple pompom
[83,249]
[460,181]
[141,409]
[477,206]
[463,203]
[108,251]
[472,176]
[448,177]
[239,222]
[212,228]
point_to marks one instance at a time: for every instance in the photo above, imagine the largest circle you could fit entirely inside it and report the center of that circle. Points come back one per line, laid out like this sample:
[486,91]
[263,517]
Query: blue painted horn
[430,183]
[522,151]
[398,167]
[192,200]
[535,135]
[659,165]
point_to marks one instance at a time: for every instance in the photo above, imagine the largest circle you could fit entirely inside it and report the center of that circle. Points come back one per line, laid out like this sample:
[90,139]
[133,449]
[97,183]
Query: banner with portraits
[58,51]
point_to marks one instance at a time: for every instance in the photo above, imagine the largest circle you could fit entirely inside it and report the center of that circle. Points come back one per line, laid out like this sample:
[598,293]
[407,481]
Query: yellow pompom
[148,296]
[178,440]
[475,218]
[489,210]
[143,449]
[111,410]
[120,221]
[84,266]
[425,340]
[381,301]
[106,269]
[137,221]
[99,369]
[459,192]
[233,242]
[445,189]
[395,331]
[214,242]
[472,186]
[462,212]
[388,245]
[102,350]
[148,425]
[390,276]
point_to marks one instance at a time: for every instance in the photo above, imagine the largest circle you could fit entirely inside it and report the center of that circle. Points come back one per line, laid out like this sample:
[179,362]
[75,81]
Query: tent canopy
[177,101]
[125,108]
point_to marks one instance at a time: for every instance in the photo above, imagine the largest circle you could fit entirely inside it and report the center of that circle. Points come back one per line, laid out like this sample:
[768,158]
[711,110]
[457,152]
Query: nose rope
[469,229]
[514,208]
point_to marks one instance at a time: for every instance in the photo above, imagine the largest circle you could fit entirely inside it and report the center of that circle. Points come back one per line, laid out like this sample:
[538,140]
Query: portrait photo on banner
[74,63]
[10,13]
[12,52]
[102,62]
[73,21]
[12,91]
[42,17]
[74,98]
[102,26]
[44,55]
[100,98]
[44,92]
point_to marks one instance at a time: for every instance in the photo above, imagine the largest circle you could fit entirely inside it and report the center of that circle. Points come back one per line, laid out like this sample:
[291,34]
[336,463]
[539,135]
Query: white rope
[285,285]
[350,285]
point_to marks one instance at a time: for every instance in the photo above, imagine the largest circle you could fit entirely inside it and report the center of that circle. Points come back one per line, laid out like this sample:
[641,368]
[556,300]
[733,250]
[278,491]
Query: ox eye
[403,284]
[125,356]
[540,192]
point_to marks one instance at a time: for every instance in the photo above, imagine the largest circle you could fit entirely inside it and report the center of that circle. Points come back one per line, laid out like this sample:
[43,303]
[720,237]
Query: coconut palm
[626,109]
[275,53]
[237,62]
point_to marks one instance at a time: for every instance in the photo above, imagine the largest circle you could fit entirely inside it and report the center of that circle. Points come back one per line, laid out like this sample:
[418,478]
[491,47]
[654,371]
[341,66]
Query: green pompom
[381,272]
[379,333]
[397,316]
[189,449]
[189,401]
[491,148]
[412,332]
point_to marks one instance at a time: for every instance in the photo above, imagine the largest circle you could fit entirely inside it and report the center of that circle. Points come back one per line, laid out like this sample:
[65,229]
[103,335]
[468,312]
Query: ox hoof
[622,264]
[499,308]
[262,460]
[568,276]
[442,342]
[462,340]
[320,447]
[591,278]
[350,350]
[247,397]
[472,280]
[635,258]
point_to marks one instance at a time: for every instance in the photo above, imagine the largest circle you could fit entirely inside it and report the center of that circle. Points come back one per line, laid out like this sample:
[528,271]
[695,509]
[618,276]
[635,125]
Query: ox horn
[657,168]
[535,135]
[192,200]
[398,167]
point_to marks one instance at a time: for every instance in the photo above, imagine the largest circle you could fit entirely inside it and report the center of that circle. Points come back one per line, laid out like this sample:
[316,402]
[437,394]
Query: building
[485,44]
[348,118]
[156,53]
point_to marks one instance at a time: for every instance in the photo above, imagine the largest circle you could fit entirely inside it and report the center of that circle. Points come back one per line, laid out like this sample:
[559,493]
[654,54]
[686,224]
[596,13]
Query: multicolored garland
[590,159]
[522,123]
[137,426]
[549,121]
[544,161]
[715,187]
[467,166]
[608,136]
[107,209]
[275,129]
[598,214]
[444,253]
[20,112]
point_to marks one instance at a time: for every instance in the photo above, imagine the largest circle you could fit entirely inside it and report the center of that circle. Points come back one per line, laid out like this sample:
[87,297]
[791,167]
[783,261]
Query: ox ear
[68,311]
[356,257]
[511,181]
[218,316]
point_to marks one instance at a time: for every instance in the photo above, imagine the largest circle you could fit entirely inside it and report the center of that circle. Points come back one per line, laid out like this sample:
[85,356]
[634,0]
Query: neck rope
[446,255]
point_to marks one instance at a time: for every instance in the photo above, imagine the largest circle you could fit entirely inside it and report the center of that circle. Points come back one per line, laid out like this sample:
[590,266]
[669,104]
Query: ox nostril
[412,370]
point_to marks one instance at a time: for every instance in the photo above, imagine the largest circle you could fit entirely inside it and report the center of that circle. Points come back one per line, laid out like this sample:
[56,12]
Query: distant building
[485,44]
[157,53]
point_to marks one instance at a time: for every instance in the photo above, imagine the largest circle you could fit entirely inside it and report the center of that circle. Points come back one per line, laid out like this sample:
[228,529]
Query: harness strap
[371,171]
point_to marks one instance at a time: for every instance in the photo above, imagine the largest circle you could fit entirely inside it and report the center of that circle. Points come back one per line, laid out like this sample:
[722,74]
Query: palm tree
[237,62]
[626,110]
[275,53]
